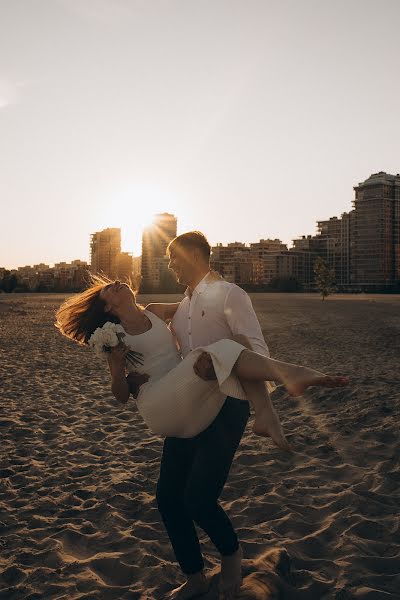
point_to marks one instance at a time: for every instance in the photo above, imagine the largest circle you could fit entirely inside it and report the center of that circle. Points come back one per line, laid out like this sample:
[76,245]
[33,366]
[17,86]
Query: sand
[78,518]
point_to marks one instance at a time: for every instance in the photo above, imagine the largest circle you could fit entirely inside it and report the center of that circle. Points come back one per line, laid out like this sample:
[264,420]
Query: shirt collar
[200,287]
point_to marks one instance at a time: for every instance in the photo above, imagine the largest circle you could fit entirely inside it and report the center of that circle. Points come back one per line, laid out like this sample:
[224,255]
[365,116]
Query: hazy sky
[247,119]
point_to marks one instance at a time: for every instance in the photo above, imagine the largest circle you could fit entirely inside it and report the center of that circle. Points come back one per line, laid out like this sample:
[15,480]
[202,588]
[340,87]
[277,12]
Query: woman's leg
[266,419]
[266,422]
[296,378]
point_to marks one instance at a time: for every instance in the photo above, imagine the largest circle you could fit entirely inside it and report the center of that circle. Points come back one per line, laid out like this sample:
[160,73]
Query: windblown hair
[79,316]
[190,240]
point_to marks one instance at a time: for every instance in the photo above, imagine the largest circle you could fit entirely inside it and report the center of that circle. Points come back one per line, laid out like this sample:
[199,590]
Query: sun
[139,205]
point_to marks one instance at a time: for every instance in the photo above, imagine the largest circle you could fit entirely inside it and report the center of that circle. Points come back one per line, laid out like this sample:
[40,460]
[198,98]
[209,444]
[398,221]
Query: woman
[175,402]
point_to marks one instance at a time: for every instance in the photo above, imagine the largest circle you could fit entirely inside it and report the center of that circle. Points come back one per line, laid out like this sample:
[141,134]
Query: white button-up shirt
[216,310]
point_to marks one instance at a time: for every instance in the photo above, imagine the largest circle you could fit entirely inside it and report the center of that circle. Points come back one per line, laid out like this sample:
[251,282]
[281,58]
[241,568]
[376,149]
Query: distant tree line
[9,283]
[278,284]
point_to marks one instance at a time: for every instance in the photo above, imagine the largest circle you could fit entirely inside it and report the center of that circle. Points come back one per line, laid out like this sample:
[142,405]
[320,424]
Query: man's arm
[242,319]
[163,310]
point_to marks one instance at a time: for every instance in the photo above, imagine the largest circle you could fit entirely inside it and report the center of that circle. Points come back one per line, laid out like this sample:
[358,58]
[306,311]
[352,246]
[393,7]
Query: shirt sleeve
[242,319]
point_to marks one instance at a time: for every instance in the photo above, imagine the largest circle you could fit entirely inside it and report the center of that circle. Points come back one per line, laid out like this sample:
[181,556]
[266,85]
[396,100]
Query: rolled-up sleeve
[242,319]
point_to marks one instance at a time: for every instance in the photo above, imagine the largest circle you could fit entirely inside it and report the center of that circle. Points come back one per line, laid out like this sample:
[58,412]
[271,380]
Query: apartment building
[154,263]
[376,231]
[105,249]
[266,252]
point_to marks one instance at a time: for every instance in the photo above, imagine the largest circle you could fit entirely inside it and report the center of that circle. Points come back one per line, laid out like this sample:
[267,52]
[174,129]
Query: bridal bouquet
[107,337]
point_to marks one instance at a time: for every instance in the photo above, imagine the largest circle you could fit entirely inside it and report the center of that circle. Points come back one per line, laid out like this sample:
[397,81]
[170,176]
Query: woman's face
[116,293]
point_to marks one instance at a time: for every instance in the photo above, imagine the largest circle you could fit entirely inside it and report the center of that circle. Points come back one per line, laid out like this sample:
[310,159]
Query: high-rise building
[376,235]
[335,244]
[306,250]
[125,267]
[156,237]
[105,248]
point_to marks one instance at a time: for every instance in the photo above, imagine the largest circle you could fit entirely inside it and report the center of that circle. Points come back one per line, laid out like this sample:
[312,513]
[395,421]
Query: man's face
[183,263]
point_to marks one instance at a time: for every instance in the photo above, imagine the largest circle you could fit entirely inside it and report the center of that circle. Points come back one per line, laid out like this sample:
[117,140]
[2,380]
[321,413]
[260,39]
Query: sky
[247,119]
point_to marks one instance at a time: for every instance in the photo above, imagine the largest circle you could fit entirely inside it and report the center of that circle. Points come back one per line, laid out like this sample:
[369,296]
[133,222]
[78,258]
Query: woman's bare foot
[231,575]
[195,586]
[297,379]
[267,424]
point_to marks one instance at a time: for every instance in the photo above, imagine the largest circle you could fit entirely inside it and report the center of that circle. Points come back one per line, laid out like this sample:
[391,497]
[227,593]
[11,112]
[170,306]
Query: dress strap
[153,318]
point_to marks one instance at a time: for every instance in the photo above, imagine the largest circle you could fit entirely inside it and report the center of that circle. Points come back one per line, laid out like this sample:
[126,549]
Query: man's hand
[204,368]
[134,381]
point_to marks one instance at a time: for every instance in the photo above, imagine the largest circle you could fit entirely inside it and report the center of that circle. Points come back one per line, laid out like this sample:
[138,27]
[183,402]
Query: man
[193,471]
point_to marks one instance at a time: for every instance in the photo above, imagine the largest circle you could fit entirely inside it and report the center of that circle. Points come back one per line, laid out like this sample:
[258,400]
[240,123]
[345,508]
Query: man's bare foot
[297,379]
[195,586]
[267,424]
[231,575]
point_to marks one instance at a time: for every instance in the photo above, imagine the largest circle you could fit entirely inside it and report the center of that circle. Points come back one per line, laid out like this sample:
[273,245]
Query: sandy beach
[78,518]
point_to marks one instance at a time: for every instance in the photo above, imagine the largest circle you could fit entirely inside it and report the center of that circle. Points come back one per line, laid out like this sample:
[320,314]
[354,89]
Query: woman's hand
[116,362]
[118,357]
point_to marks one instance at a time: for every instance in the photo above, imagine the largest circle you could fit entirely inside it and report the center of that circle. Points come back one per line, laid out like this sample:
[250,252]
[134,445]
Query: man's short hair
[191,240]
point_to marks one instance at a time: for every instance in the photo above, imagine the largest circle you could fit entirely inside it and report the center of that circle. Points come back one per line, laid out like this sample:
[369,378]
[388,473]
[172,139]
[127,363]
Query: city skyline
[320,224]
[246,120]
[361,250]
[87,257]
[134,246]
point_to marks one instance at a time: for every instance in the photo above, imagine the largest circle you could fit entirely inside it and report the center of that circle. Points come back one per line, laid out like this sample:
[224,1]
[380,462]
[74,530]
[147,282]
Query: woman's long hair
[79,316]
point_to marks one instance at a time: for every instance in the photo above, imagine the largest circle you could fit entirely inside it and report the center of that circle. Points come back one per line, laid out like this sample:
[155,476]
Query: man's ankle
[195,585]
[235,554]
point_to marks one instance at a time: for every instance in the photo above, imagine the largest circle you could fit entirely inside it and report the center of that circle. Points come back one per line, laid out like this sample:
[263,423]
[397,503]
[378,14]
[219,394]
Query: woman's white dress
[175,402]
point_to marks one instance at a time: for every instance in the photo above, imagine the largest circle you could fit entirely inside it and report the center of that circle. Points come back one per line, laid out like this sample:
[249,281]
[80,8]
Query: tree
[324,277]
[9,282]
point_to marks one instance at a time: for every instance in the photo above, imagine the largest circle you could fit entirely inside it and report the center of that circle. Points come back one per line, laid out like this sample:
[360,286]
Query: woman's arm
[163,310]
[116,363]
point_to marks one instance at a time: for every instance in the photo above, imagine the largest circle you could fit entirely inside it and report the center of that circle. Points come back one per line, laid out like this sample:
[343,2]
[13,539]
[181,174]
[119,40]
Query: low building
[236,263]
[266,252]
[71,276]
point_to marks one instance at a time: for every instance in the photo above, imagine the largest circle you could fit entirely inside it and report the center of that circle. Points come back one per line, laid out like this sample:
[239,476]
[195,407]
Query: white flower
[105,337]
[110,335]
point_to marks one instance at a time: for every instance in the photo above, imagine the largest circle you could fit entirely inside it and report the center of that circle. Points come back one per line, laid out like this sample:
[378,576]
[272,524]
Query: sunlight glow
[136,207]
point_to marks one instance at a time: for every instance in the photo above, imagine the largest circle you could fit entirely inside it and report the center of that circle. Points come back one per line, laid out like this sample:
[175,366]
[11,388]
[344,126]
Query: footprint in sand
[76,545]
[113,571]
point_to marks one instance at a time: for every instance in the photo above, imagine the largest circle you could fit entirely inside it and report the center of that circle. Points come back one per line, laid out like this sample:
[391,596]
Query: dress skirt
[181,404]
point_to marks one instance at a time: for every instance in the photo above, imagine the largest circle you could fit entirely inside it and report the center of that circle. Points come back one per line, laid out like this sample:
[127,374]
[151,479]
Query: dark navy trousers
[193,473]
